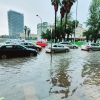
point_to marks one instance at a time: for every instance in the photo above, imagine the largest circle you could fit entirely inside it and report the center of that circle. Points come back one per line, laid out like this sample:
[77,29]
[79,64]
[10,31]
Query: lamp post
[41,25]
[75,21]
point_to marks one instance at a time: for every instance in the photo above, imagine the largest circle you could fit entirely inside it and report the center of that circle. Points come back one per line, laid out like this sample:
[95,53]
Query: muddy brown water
[74,74]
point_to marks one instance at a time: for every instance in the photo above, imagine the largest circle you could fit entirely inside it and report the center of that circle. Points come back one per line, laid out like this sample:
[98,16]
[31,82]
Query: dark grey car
[31,45]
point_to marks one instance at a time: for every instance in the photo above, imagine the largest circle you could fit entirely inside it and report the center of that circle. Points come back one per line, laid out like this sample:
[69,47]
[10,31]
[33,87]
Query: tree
[92,21]
[47,35]
[62,12]
[55,3]
[88,35]
[25,30]
[67,5]
[28,32]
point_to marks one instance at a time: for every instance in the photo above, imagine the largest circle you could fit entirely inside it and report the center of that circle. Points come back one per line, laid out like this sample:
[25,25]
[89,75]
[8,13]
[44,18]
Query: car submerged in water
[14,50]
[31,45]
[90,47]
[56,48]
[70,45]
[41,43]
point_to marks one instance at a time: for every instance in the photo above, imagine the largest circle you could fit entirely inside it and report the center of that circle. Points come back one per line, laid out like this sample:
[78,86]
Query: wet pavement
[73,75]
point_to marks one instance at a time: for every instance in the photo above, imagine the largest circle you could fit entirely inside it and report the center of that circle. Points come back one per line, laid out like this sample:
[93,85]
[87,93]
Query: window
[25,43]
[18,47]
[7,47]
[60,46]
[55,46]
[30,44]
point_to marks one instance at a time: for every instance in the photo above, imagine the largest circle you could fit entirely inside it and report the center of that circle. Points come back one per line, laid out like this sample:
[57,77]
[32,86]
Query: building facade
[79,32]
[42,28]
[15,23]
[31,36]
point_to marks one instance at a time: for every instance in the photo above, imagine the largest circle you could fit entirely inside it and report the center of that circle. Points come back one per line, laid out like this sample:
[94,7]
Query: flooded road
[73,75]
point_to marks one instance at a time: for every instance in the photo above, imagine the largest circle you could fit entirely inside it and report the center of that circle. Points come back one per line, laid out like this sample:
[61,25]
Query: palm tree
[25,30]
[28,32]
[62,12]
[55,3]
[67,5]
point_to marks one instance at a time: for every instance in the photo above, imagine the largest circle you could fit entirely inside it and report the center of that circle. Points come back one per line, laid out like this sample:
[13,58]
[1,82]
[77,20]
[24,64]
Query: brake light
[49,48]
[87,46]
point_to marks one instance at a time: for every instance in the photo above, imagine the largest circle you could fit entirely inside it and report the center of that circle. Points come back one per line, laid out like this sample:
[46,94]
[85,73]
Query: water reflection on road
[68,76]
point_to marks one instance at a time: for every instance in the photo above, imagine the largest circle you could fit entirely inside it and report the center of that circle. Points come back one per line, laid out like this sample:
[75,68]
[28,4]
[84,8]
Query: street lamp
[75,21]
[41,25]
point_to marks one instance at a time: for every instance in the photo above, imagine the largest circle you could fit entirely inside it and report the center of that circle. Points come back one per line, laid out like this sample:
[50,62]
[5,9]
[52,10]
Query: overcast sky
[30,8]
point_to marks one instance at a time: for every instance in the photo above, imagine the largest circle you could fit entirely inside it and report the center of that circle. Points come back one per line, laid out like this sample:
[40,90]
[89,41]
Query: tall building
[45,26]
[15,23]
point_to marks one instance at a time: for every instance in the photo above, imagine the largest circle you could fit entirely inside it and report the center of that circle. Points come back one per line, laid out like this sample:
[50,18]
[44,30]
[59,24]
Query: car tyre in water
[74,47]
[31,54]
[3,56]
[67,50]
[53,51]
[38,50]
[89,49]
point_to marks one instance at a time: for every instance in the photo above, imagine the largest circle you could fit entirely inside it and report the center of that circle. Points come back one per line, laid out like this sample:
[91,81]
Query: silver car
[57,48]
[68,44]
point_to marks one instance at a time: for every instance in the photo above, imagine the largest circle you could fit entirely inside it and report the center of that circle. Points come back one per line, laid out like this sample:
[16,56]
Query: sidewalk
[27,91]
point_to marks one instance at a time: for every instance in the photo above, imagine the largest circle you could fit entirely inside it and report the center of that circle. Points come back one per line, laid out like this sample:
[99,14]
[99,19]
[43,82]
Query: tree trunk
[65,25]
[67,37]
[95,38]
[61,29]
[25,34]
[71,37]
[55,28]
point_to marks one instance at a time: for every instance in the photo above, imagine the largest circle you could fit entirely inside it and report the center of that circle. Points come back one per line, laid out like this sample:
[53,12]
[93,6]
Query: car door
[26,45]
[20,51]
[61,48]
[70,45]
[54,48]
[8,51]
[94,47]
[30,45]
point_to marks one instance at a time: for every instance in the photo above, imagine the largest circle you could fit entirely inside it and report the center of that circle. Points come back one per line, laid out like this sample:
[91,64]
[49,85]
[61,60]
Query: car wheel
[37,49]
[74,47]
[31,54]
[89,49]
[53,51]
[3,56]
[67,50]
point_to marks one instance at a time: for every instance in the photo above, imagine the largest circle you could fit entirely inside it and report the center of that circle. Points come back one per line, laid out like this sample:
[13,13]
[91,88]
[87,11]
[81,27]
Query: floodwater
[73,75]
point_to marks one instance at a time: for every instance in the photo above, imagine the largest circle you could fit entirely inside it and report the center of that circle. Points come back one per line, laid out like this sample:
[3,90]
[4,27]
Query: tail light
[87,47]
[49,48]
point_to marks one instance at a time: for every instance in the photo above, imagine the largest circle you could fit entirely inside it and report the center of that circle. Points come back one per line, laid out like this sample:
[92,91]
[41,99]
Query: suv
[68,44]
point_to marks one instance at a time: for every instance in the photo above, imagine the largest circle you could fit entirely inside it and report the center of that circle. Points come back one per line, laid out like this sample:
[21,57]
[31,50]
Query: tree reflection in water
[61,79]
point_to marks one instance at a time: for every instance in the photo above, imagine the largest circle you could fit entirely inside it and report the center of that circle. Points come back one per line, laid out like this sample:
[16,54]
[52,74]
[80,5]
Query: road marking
[29,91]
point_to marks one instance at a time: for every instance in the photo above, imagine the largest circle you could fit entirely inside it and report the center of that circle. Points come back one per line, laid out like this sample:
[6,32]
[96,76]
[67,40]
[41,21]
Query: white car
[57,48]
